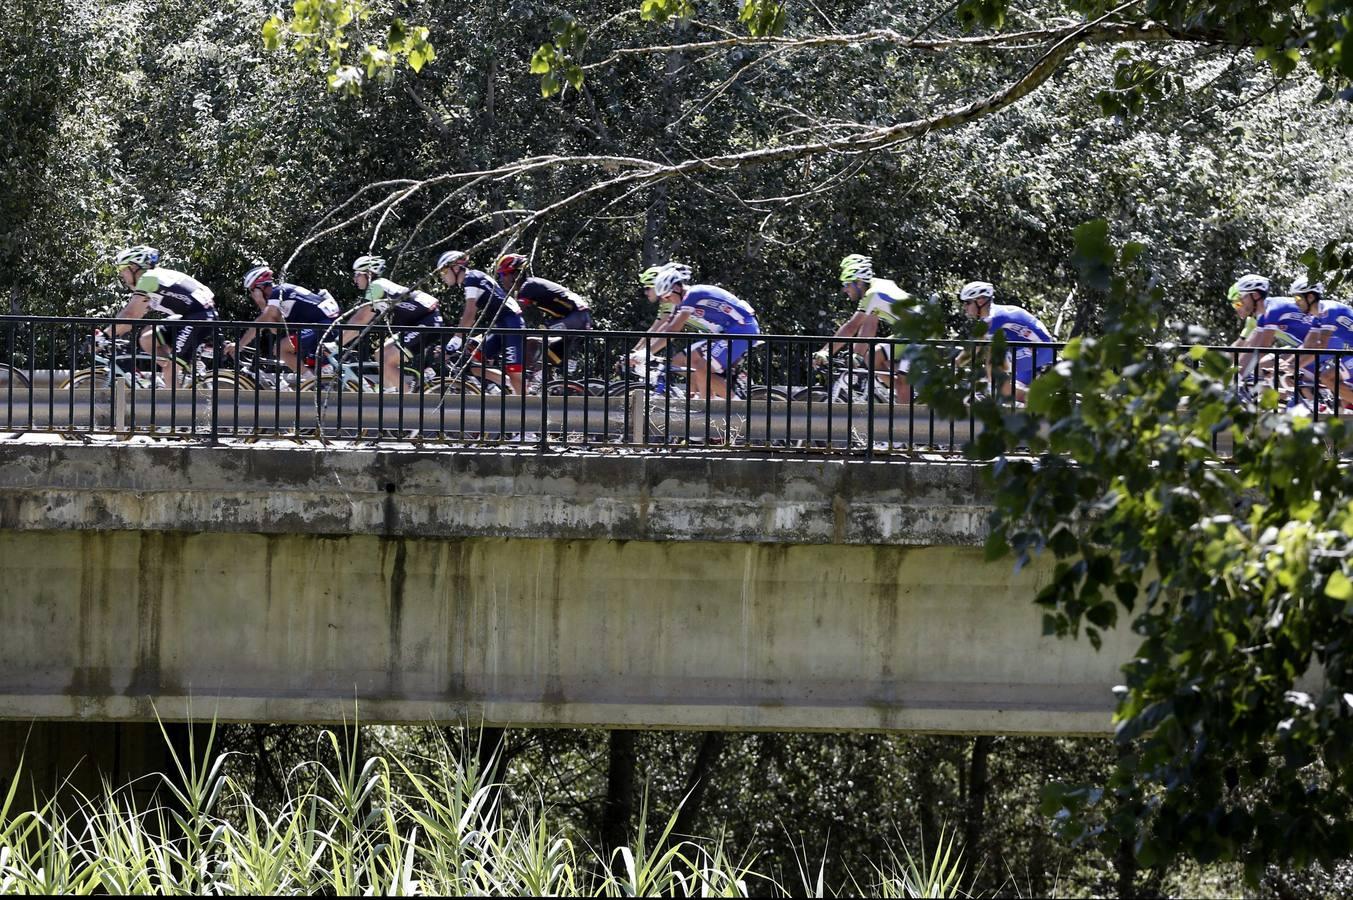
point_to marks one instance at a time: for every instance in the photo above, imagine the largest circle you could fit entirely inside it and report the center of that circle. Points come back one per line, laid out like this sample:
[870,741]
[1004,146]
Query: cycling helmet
[1304,286]
[508,265]
[1247,283]
[649,275]
[372,265]
[141,256]
[857,267]
[258,277]
[451,257]
[1233,294]
[671,275]
[974,289]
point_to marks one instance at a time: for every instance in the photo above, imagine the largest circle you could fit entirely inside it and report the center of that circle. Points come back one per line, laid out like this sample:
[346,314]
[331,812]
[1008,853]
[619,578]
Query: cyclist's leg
[514,349]
[712,364]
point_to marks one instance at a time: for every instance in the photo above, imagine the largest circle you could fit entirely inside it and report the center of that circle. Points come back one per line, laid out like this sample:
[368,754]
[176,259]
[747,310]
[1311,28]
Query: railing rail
[705,393]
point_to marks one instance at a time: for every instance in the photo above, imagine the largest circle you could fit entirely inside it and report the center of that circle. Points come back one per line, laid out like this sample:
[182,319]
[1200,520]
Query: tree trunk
[656,248]
[618,812]
[975,810]
[711,747]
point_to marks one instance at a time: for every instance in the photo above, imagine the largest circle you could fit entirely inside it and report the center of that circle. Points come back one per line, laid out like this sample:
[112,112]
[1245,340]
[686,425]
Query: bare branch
[1094,33]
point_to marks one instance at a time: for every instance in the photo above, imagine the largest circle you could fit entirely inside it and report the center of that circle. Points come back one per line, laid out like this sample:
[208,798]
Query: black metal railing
[86,378]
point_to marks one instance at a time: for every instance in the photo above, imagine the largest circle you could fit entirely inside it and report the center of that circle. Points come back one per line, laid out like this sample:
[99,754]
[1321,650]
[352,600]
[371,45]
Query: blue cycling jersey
[1018,324]
[1336,318]
[1284,318]
[302,306]
[491,301]
[715,310]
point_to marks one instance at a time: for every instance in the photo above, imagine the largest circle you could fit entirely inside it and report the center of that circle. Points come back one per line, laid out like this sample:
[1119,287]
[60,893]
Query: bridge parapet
[265,584]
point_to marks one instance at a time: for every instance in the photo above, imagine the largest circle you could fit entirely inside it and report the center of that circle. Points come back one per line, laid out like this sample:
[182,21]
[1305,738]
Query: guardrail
[70,377]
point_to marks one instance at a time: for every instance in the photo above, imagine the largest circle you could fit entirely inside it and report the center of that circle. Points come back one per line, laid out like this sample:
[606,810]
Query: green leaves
[318,33]
[555,62]
[763,18]
[661,10]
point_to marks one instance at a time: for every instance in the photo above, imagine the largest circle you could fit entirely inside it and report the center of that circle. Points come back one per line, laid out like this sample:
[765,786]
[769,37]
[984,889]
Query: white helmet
[974,289]
[671,275]
[451,257]
[373,265]
[1247,283]
[141,256]
[1303,286]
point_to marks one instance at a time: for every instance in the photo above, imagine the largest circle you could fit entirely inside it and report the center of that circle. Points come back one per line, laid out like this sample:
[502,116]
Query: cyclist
[412,313]
[708,309]
[484,299]
[877,302]
[1332,330]
[294,305]
[1279,321]
[170,292]
[978,299]
[560,308]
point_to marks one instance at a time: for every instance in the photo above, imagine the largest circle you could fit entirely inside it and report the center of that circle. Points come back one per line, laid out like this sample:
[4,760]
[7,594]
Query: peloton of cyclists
[158,289]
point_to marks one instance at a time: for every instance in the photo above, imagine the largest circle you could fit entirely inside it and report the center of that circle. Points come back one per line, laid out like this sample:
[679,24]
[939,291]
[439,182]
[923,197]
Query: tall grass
[351,824]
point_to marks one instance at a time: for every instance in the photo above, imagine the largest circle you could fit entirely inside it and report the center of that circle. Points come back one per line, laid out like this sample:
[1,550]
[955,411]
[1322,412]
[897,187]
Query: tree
[1235,720]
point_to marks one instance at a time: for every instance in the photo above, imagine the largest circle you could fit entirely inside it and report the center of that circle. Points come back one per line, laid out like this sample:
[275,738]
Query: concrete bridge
[304,584]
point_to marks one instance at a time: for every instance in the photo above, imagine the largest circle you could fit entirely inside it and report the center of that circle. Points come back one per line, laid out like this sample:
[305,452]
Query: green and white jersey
[879,300]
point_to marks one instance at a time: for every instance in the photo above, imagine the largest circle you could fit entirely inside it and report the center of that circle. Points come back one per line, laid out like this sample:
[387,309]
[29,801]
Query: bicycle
[846,379]
[118,358]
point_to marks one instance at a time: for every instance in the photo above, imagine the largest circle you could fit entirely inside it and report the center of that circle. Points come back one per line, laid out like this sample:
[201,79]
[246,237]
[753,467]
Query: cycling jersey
[381,288]
[879,300]
[1018,324]
[490,300]
[1284,318]
[715,310]
[553,300]
[173,292]
[299,305]
[1021,325]
[1337,319]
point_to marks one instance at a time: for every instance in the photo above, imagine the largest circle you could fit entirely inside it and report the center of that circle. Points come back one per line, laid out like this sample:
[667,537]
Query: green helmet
[649,275]
[856,267]
[1233,293]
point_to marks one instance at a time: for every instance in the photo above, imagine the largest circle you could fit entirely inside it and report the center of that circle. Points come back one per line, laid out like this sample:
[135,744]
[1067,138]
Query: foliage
[350,823]
[1234,720]
[322,31]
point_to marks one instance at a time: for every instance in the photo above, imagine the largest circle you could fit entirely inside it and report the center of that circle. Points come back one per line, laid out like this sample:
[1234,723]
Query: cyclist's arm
[855,326]
[677,322]
[136,308]
[469,313]
[1259,339]
[1317,339]
[269,314]
[657,326]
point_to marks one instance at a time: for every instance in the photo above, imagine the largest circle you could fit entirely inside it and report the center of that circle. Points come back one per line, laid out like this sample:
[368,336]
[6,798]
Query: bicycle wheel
[562,387]
[82,379]
[762,392]
[452,387]
[12,376]
[330,383]
[815,394]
